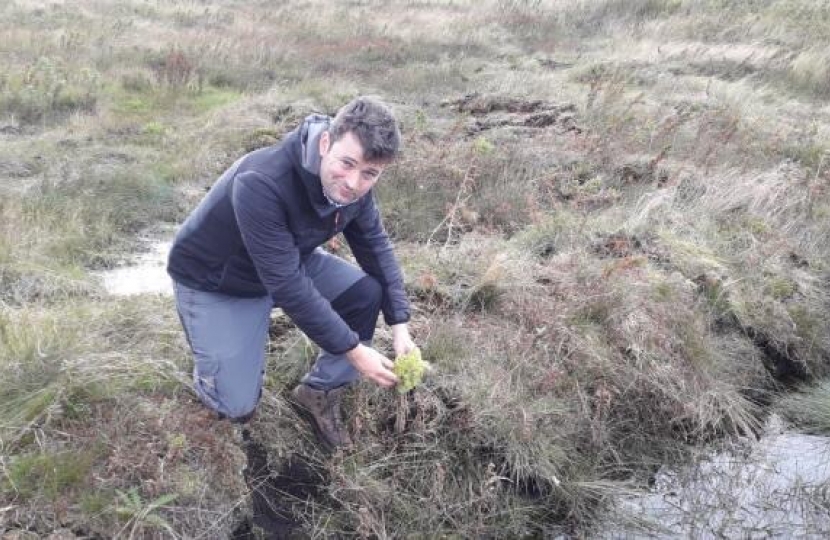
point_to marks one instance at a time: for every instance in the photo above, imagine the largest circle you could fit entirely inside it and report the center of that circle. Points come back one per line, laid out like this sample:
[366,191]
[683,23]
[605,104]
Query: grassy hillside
[613,217]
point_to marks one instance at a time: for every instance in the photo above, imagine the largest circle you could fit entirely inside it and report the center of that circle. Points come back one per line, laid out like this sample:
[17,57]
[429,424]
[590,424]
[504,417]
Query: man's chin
[350,198]
[336,198]
[344,200]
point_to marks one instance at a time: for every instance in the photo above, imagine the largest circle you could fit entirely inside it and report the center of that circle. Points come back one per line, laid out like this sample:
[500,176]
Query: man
[253,244]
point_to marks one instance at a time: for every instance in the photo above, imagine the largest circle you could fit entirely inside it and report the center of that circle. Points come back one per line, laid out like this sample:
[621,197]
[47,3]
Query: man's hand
[373,365]
[401,340]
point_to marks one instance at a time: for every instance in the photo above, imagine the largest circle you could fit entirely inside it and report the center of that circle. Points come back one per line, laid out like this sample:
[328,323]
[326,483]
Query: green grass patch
[153,102]
[135,105]
[47,475]
[95,503]
[79,220]
[213,98]
[447,347]
[552,235]
[780,287]
[808,322]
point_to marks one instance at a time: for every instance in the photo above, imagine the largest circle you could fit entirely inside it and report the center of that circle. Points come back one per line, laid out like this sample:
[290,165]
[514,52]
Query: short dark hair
[372,122]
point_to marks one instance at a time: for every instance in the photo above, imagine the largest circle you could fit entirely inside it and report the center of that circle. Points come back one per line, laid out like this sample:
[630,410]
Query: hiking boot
[322,409]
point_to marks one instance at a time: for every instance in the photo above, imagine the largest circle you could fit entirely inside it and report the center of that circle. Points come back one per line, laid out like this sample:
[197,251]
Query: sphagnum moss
[410,370]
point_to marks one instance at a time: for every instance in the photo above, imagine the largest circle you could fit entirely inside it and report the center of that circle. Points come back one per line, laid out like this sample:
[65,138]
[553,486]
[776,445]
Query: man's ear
[325,143]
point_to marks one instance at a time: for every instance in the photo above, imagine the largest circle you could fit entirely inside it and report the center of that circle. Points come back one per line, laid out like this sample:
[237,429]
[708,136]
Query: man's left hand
[401,340]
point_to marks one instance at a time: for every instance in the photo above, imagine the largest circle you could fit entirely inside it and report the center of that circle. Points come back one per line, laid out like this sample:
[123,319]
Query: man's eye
[346,164]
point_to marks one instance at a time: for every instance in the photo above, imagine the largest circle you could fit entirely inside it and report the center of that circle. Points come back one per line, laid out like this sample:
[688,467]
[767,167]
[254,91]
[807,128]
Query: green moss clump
[410,369]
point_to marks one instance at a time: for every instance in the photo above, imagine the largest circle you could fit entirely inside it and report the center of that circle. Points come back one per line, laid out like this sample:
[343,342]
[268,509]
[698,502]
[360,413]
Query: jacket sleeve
[372,248]
[273,250]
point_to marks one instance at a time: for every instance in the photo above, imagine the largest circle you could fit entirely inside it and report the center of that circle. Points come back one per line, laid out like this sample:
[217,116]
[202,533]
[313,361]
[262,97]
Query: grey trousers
[228,335]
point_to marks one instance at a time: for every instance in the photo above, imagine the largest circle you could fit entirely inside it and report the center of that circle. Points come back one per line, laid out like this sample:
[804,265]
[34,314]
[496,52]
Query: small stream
[775,487]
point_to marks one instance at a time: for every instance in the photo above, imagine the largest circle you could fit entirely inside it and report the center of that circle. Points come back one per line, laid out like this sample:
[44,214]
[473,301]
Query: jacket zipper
[336,221]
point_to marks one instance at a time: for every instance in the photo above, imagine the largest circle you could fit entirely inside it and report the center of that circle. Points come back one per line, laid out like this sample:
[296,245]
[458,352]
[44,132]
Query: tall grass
[810,71]
[91,397]
[809,409]
[47,91]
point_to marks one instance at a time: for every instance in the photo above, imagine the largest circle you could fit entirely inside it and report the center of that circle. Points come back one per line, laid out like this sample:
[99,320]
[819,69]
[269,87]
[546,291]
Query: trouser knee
[359,306]
[227,336]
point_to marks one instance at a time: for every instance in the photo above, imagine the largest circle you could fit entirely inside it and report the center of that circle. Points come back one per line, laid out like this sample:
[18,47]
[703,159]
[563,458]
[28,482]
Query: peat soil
[274,494]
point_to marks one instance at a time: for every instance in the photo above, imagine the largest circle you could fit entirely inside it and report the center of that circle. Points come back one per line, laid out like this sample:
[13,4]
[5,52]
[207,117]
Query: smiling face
[345,175]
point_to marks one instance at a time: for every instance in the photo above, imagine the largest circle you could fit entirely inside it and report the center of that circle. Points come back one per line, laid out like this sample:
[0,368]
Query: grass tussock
[51,356]
[48,90]
[542,406]
[809,409]
[810,71]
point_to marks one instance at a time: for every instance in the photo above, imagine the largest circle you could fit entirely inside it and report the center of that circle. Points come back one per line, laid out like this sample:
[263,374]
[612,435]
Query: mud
[274,494]
[779,358]
[621,245]
[492,111]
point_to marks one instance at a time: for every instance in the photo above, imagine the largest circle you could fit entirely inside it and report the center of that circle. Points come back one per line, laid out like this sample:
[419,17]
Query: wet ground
[775,487]
[144,273]
[273,492]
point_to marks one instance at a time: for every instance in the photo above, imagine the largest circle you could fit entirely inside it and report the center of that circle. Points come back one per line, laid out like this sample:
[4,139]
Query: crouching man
[253,244]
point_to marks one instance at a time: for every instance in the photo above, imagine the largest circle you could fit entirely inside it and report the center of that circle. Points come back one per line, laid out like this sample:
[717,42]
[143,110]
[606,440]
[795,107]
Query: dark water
[775,487]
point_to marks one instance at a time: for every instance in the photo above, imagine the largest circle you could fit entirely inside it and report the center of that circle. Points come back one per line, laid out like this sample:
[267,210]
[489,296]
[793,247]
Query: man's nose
[353,180]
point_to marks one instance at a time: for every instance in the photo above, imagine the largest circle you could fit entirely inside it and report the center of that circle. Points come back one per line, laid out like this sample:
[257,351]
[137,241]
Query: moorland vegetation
[614,218]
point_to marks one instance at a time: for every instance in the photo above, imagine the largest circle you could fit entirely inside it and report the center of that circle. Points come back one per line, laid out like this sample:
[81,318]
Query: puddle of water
[146,273]
[777,487]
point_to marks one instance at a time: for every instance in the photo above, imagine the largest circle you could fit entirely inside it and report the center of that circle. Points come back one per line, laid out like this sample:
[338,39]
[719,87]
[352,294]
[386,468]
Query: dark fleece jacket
[251,233]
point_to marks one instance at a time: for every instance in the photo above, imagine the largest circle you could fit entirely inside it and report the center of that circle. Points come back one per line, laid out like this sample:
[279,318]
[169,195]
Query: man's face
[345,175]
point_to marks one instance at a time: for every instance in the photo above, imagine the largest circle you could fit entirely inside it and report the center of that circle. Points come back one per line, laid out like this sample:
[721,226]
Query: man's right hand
[373,365]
